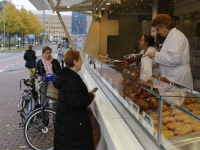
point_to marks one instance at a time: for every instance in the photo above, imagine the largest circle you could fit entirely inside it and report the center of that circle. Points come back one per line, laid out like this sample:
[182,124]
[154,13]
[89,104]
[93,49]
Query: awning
[69,5]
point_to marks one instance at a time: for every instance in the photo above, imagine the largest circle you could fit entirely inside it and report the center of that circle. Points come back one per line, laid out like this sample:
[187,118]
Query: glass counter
[170,113]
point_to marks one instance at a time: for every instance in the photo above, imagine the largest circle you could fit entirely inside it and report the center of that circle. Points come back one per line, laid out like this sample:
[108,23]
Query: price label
[116,87]
[134,109]
[127,102]
[110,82]
[147,122]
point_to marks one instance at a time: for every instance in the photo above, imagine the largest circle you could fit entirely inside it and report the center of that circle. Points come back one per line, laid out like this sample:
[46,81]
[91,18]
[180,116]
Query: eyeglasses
[157,29]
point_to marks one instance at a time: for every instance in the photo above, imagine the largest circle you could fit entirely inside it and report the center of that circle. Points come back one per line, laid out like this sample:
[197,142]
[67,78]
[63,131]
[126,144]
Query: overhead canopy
[69,5]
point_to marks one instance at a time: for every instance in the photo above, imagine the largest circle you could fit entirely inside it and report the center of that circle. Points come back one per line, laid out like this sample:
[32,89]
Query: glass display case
[170,113]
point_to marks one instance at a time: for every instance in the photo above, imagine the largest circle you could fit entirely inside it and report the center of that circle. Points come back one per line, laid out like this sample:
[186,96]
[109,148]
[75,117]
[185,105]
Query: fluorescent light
[107,3]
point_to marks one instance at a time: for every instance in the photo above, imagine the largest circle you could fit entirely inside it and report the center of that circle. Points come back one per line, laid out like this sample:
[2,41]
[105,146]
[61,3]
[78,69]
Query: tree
[13,19]
[24,30]
[35,26]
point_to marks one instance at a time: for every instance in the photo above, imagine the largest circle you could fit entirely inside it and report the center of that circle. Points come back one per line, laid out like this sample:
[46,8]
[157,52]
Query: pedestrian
[60,55]
[44,66]
[174,56]
[30,58]
[73,128]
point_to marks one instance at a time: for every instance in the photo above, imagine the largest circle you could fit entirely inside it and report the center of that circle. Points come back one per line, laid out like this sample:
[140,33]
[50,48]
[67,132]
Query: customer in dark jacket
[30,58]
[46,65]
[73,130]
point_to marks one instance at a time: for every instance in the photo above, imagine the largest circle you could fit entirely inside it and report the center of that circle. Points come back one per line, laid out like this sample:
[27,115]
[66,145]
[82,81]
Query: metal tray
[133,57]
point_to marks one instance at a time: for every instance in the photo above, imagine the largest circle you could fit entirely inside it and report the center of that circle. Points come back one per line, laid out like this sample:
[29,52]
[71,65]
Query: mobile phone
[94,90]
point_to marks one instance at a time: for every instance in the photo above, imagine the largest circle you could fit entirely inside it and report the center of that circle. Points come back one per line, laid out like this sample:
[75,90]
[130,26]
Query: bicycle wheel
[37,137]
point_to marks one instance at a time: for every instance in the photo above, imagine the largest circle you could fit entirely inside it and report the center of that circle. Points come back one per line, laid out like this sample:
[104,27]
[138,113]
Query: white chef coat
[155,66]
[174,59]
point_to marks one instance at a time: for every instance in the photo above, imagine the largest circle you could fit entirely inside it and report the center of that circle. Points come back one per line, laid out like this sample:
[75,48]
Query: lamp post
[4,29]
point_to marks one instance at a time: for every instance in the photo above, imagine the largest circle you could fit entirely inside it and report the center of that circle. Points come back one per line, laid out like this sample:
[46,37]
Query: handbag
[96,130]
[52,92]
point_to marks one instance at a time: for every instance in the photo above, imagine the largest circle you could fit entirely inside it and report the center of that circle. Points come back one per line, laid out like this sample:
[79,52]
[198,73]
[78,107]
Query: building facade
[53,27]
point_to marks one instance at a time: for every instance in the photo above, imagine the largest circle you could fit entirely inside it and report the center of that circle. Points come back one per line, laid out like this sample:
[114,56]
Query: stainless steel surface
[129,56]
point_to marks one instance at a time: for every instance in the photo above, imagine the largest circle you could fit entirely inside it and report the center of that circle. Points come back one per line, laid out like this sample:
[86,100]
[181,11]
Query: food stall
[161,114]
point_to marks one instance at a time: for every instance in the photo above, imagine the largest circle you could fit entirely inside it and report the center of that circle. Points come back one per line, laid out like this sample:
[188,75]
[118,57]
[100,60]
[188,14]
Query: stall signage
[110,82]
[127,102]
[147,122]
[134,109]
[116,89]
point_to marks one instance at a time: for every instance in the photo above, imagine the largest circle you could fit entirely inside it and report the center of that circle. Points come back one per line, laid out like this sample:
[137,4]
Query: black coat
[30,58]
[73,130]
[40,71]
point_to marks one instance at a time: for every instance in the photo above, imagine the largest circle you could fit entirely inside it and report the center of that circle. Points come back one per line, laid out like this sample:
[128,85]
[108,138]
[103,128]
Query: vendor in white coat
[146,43]
[174,57]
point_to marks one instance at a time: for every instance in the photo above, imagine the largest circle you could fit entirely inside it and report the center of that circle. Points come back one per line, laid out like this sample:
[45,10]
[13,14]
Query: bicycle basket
[52,92]
[43,88]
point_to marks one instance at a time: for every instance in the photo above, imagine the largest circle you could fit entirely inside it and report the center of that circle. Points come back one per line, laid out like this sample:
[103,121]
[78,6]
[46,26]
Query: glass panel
[180,131]
[180,107]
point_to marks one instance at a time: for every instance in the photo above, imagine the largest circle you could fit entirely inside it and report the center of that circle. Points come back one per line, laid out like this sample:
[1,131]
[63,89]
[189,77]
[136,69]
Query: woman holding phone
[73,128]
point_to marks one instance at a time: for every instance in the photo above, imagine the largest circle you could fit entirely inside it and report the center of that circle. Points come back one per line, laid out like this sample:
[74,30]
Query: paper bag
[146,69]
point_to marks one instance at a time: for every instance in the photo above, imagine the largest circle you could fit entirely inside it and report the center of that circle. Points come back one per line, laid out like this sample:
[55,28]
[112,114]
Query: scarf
[47,65]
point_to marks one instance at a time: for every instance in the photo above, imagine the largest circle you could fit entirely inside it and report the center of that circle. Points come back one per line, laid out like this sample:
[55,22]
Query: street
[12,69]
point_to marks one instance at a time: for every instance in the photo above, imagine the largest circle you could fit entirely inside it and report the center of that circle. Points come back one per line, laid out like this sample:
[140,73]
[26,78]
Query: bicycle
[39,127]
[25,103]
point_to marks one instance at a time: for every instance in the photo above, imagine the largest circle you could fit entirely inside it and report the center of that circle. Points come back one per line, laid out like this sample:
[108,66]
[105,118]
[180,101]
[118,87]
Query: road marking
[12,64]
[1,70]
[6,66]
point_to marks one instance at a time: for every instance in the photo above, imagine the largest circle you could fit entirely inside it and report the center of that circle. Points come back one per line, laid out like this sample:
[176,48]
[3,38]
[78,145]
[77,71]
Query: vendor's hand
[151,54]
[39,78]
[94,95]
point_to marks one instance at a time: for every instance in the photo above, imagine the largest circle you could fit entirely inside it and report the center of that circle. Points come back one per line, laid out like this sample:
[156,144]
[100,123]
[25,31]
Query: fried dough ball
[142,104]
[186,128]
[196,112]
[163,127]
[196,126]
[154,102]
[166,120]
[176,112]
[133,97]
[167,133]
[154,116]
[142,96]
[166,114]
[194,106]
[189,121]
[181,117]
[174,125]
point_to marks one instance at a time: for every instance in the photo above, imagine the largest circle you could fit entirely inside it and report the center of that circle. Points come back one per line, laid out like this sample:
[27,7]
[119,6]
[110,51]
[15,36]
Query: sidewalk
[11,136]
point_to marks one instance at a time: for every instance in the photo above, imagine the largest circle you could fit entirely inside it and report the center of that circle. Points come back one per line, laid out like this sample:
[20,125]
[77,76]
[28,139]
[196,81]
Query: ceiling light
[102,8]
[123,11]
[126,9]
[68,6]
[107,3]
[149,4]
[136,4]
[174,1]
